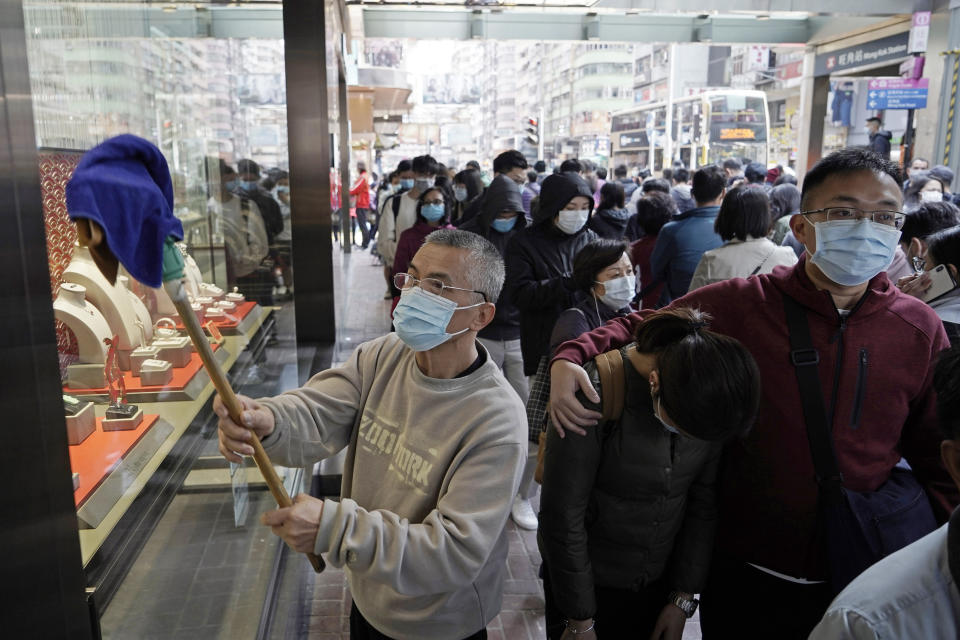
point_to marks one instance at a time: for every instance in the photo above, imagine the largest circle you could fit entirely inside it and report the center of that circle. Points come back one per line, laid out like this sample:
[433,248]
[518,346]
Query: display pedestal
[85,376]
[122,424]
[81,424]
[139,355]
[187,383]
[123,359]
[176,351]
[108,462]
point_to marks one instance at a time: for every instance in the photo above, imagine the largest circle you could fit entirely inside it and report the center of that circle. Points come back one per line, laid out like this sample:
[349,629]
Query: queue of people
[714,417]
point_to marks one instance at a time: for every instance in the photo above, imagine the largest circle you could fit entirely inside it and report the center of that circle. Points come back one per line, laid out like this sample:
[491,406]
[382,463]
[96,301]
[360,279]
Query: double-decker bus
[703,129]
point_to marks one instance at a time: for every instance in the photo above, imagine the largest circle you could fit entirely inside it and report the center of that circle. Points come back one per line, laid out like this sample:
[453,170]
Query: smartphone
[942,283]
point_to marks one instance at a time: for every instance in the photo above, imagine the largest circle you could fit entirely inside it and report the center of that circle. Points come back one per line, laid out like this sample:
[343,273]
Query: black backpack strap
[806,361]
[396,205]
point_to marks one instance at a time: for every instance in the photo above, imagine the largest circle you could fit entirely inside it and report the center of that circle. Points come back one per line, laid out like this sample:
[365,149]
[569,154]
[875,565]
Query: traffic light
[532,128]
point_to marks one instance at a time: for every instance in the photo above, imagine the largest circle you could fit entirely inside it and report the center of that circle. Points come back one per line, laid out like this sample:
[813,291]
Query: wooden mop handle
[233,405]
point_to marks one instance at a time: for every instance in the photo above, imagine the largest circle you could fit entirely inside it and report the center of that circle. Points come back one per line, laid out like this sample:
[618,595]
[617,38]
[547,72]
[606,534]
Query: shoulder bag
[859,527]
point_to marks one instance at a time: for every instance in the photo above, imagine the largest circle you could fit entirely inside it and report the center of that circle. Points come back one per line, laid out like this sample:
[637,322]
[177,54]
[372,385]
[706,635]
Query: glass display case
[159,510]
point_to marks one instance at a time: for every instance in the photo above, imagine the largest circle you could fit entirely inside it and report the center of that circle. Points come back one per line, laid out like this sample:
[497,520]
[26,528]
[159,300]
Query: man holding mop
[436,442]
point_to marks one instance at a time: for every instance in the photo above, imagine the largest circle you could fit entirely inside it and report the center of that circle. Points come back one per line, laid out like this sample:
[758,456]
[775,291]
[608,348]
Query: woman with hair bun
[628,512]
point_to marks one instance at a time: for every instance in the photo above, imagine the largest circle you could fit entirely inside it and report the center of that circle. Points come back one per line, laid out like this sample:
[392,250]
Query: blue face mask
[432,212]
[282,189]
[247,185]
[421,318]
[231,185]
[851,252]
[424,183]
[460,193]
[406,183]
[504,225]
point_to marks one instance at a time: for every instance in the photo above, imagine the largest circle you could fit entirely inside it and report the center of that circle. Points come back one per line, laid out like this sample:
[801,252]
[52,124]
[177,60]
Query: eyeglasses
[893,219]
[431,285]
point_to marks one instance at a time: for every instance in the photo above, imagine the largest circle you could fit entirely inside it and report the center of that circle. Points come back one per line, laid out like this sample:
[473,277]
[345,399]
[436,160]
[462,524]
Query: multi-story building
[778,72]
[659,73]
[601,82]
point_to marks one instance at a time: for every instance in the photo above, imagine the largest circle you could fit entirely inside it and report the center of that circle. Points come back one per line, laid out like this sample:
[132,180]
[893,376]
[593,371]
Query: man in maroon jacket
[877,348]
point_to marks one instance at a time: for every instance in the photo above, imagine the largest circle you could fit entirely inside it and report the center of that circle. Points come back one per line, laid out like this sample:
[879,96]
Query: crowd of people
[726,386]
[251,211]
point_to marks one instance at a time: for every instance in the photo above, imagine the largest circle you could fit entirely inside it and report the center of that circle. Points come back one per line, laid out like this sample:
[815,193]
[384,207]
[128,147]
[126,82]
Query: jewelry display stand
[90,329]
[81,421]
[108,464]
[211,290]
[112,301]
[176,351]
[120,416]
[138,355]
[143,314]
[156,372]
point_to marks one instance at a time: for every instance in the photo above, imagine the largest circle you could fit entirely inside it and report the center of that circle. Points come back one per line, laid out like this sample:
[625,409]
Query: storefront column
[311,214]
[42,570]
[344,119]
[948,130]
[814,92]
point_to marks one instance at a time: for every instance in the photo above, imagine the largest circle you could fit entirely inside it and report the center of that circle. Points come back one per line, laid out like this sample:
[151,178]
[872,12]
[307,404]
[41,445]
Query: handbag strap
[612,383]
[806,361]
[763,262]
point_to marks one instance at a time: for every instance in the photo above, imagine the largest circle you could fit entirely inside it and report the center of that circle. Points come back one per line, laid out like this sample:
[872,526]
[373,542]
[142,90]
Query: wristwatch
[687,605]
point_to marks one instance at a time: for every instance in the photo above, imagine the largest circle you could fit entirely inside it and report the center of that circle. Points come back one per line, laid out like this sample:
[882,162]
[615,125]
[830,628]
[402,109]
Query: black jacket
[540,266]
[269,209]
[629,186]
[472,209]
[880,143]
[610,223]
[626,504]
[501,195]
[586,315]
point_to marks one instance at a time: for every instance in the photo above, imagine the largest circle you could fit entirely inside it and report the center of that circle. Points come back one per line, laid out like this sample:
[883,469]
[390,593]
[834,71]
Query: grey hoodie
[432,467]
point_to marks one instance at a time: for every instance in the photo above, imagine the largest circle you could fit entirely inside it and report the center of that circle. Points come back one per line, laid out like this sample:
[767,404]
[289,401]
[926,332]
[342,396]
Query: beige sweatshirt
[432,467]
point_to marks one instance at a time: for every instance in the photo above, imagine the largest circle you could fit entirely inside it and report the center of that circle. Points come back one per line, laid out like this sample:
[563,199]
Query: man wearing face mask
[917,164]
[399,212]
[500,219]
[510,163]
[248,185]
[435,443]
[875,349]
[683,241]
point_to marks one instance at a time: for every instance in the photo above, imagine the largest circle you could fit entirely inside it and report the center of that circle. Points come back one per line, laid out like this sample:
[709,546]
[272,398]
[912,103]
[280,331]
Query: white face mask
[931,196]
[618,292]
[571,222]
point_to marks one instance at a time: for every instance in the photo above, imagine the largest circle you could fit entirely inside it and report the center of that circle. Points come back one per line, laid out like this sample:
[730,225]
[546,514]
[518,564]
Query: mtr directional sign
[897,93]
